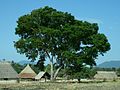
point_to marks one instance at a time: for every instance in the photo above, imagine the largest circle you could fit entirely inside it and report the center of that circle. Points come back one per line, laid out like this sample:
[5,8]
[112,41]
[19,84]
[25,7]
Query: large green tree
[59,37]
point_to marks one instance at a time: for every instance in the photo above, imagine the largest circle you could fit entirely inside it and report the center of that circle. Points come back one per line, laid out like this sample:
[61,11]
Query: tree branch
[56,73]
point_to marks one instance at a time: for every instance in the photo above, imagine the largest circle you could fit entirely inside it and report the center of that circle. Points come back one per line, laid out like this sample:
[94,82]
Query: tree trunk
[53,75]
[51,64]
[52,72]
[56,73]
[78,80]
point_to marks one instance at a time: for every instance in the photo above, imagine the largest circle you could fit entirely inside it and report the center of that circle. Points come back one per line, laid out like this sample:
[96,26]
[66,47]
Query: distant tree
[105,69]
[36,69]
[63,40]
[18,68]
[118,72]
[40,63]
[113,69]
[83,73]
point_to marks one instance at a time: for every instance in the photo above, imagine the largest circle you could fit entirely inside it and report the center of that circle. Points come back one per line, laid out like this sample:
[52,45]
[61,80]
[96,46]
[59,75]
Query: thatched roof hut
[105,75]
[42,75]
[7,71]
[27,73]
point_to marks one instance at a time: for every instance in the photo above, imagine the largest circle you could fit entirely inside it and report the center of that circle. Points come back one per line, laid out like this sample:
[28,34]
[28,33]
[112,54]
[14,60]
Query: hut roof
[42,74]
[105,75]
[7,71]
[27,73]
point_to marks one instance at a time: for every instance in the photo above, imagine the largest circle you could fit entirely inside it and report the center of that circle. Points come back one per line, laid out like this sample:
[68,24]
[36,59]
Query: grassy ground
[62,86]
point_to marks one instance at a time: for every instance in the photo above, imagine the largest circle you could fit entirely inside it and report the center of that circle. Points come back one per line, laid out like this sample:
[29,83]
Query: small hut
[7,72]
[108,75]
[42,75]
[27,73]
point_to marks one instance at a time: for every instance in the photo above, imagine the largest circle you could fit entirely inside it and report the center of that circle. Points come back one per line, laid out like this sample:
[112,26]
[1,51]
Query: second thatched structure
[27,73]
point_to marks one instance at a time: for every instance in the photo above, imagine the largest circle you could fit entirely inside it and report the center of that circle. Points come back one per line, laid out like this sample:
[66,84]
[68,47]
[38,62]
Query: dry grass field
[62,86]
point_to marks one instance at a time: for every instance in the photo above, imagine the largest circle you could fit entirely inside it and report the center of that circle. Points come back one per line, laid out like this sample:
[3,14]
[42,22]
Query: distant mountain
[110,64]
[26,62]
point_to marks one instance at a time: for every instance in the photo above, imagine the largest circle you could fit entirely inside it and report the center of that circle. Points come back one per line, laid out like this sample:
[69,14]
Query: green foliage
[35,68]
[40,63]
[105,69]
[118,72]
[51,33]
[18,68]
[83,73]
[47,68]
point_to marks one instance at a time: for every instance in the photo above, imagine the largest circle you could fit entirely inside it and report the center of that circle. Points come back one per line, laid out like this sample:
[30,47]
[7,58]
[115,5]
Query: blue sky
[104,12]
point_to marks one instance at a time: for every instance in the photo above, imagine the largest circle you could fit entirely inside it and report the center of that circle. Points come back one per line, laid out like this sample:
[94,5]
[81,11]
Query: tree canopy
[58,36]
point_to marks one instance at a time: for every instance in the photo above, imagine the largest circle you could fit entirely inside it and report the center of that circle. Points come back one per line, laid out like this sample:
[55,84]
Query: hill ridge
[109,64]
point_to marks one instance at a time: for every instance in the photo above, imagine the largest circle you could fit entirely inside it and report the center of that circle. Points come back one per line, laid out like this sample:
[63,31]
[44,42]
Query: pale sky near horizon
[104,12]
